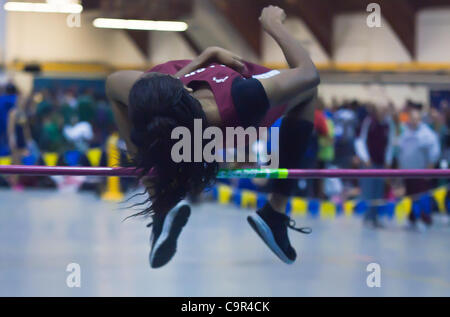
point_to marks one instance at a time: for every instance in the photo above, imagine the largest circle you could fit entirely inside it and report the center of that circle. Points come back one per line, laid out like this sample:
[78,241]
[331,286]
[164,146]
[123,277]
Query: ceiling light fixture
[147,25]
[52,7]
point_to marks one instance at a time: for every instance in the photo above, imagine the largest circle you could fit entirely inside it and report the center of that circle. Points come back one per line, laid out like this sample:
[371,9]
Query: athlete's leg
[270,222]
[166,228]
[295,132]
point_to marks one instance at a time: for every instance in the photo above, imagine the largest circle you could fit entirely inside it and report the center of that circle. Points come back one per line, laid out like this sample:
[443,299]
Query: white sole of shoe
[263,230]
[167,228]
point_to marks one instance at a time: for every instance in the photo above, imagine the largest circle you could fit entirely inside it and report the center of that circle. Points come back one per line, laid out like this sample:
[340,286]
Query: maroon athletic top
[220,78]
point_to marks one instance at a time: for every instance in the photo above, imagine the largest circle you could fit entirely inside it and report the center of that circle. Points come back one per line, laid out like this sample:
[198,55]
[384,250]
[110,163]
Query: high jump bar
[36,170]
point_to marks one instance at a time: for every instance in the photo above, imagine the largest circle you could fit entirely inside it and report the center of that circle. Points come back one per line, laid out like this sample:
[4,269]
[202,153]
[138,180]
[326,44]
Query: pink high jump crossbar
[231,173]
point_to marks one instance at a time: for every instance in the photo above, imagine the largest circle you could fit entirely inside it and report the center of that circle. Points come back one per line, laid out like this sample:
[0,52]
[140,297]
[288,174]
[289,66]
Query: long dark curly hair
[158,104]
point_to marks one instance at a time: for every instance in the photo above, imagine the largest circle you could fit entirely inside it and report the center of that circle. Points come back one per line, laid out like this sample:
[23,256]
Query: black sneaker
[272,226]
[166,230]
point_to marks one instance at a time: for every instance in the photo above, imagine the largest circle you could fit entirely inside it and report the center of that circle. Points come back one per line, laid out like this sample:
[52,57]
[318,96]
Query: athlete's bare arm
[294,85]
[210,55]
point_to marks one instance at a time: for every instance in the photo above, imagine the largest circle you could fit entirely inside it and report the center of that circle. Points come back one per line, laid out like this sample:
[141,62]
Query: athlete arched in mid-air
[222,90]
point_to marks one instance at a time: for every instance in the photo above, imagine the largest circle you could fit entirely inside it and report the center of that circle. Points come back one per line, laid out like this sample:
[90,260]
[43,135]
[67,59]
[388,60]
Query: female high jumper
[222,90]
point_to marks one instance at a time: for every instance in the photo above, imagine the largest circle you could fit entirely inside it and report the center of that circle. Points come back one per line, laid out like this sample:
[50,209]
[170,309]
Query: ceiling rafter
[318,17]
[143,10]
[400,14]
[243,16]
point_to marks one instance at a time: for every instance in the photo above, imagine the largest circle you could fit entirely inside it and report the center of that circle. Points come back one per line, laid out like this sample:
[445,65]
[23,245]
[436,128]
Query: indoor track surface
[42,232]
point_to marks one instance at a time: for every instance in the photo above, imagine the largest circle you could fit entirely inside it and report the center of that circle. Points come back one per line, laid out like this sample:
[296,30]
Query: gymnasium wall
[34,37]
[211,28]
[2,32]
[166,46]
[433,30]
[46,37]
[273,55]
[354,42]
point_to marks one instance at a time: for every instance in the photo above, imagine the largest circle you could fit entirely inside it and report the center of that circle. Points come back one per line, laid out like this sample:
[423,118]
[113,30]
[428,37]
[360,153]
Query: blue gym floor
[41,232]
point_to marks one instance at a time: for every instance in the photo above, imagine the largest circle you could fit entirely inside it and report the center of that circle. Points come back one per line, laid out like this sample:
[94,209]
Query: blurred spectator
[86,107]
[437,120]
[19,140]
[374,148]
[326,142]
[345,125]
[44,104]
[79,133]
[68,106]
[7,102]
[103,124]
[418,149]
[51,138]
[310,161]
[445,142]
